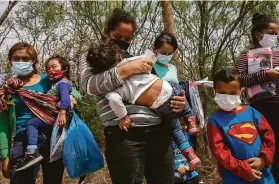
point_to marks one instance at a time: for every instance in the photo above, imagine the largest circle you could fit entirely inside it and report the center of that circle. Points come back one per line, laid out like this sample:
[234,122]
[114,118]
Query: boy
[239,137]
[143,89]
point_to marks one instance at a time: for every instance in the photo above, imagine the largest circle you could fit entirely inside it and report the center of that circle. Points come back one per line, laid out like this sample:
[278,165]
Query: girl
[264,34]
[58,72]
[165,45]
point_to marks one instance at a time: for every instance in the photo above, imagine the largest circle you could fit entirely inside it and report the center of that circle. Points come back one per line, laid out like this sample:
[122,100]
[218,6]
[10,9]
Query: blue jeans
[33,127]
[52,172]
[143,151]
[168,116]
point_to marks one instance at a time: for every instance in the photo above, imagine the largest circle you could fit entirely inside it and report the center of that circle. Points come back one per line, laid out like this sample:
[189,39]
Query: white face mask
[163,59]
[22,68]
[268,41]
[227,102]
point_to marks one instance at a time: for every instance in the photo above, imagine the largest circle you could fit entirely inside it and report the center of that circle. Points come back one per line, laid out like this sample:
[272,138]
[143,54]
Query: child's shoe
[192,126]
[29,160]
[192,158]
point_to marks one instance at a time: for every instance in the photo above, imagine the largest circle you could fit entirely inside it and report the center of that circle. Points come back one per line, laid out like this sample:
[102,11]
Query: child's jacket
[237,136]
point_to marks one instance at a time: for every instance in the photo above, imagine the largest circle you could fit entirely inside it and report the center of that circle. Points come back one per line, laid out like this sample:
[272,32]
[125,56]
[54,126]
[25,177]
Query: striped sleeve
[249,80]
[101,83]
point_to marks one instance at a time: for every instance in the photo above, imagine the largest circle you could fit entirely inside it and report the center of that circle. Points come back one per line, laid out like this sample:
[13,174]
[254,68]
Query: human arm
[249,80]
[111,79]
[65,102]
[221,152]
[267,142]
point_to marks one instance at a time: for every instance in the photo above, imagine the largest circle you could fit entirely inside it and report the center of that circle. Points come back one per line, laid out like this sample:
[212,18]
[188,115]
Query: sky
[3,6]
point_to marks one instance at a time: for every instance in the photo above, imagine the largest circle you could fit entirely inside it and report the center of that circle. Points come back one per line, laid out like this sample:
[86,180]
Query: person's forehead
[21,52]
[53,62]
[125,30]
[230,85]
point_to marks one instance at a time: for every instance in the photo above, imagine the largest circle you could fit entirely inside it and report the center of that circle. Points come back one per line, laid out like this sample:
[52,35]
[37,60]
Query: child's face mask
[55,75]
[227,102]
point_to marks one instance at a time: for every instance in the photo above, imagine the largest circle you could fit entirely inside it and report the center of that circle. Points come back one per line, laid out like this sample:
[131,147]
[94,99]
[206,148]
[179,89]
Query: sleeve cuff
[117,76]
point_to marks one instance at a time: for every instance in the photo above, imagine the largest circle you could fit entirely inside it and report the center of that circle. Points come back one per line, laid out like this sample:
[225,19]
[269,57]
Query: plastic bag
[196,103]
[57,142]
[81,154]
[258,60]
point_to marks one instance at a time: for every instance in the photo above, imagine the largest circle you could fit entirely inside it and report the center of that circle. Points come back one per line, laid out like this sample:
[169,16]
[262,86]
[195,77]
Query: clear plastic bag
[81,154]
[258,60]
[196,103]
[57,142]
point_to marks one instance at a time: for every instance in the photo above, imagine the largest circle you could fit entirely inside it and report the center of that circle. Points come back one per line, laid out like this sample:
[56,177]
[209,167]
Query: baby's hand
[62,118]
[125,123]
[182,169]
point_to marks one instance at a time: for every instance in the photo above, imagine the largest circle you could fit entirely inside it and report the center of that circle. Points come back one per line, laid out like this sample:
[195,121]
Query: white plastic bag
[57,142]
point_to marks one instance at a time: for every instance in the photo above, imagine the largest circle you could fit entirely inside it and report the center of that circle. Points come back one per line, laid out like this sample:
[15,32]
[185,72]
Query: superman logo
[245,132]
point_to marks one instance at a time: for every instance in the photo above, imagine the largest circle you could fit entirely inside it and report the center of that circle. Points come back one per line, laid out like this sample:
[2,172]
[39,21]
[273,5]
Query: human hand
[6,168]
[256,163]
[256,175]
[137,66]
[182,169]
[125,123]
[62,118]
[273,74]
[178,102]
[73,101]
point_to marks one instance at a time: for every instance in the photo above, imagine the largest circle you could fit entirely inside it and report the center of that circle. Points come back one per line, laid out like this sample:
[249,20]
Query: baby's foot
[192,158]
[193,128]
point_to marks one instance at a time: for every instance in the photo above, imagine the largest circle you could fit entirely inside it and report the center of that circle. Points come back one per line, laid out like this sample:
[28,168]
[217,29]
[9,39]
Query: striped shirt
[249,80]
[108,81]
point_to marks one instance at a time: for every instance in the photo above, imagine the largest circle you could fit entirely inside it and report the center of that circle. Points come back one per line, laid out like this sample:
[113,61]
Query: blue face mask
[22,68]
[163,59]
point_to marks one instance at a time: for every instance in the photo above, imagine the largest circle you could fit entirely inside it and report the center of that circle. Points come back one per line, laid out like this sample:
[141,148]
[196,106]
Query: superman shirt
[237,136]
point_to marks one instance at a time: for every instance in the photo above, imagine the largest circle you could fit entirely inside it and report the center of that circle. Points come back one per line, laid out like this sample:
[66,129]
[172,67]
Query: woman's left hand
[73,101]
[178,102]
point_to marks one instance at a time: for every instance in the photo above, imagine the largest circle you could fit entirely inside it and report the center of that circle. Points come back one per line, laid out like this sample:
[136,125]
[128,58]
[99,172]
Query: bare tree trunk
[168,19]
[7,11]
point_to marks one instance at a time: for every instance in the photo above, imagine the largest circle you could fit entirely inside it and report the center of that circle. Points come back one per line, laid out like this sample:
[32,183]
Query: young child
[57,69]
[182,174]
[239,137]
[144,89]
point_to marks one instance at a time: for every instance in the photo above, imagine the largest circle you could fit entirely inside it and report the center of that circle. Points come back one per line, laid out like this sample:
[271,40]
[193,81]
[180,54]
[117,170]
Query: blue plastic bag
[81,154]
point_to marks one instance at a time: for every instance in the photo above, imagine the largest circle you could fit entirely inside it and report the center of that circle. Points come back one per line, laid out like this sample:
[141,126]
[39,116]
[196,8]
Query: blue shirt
[168,74]
[23,113]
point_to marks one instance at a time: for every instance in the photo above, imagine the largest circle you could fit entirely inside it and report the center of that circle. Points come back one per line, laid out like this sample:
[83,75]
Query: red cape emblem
[245,132]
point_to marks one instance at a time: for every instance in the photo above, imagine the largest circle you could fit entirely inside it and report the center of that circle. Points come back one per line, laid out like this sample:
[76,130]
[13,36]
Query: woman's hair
[167,38]
[119,16]
[104,56]
[65,65]
[29,49]
[260,22]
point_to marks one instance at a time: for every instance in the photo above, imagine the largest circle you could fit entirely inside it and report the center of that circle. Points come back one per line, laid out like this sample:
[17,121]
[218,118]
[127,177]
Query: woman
[264,34]
[145,149]
[164,47]
[23,59]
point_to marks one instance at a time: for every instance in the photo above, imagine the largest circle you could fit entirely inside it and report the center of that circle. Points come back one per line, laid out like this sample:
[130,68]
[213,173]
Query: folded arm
[221,152]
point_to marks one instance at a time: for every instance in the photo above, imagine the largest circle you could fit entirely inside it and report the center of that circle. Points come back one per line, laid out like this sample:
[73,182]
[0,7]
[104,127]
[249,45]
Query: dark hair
[226,75]
[65,65]
[167,38]
[260,22]
[29,49]
[119,16]
[104,56]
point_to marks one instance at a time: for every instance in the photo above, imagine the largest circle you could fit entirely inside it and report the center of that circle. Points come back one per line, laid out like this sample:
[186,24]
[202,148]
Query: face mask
[227,102]
[122,44]
[268,41]
[163,59]
[22,68]
[54,75]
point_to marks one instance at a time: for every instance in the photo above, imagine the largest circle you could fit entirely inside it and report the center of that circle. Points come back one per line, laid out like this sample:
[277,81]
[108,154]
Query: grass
[208,170]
